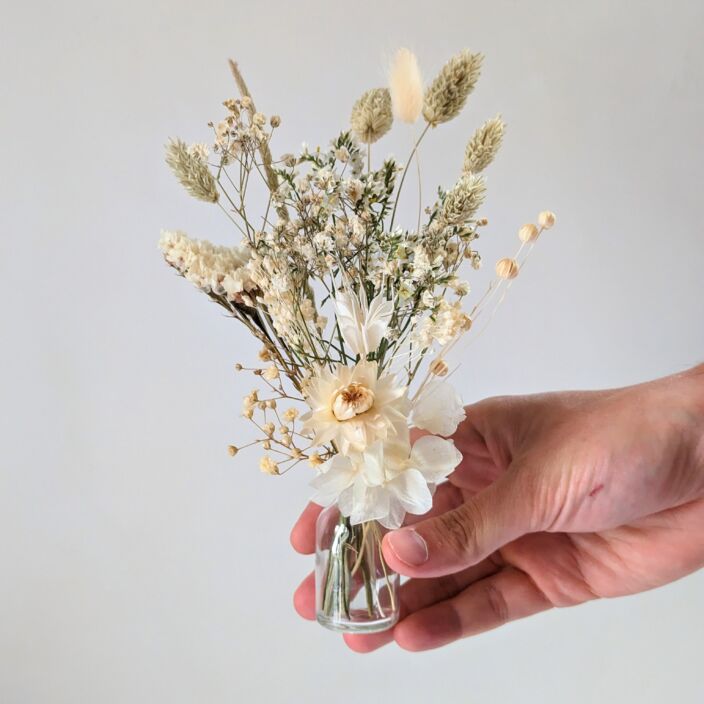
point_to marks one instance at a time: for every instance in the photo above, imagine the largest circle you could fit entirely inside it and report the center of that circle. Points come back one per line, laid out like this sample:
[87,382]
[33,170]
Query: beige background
[139,563]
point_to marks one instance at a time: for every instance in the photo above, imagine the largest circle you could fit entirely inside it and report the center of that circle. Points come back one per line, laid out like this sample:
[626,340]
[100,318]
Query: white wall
[140,563]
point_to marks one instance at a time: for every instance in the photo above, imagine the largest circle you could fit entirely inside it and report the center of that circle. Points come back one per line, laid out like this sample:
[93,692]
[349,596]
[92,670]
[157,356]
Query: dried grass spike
[464,199]
[448,93]
[371,115]
[484,145]
[192,171]
[406,86]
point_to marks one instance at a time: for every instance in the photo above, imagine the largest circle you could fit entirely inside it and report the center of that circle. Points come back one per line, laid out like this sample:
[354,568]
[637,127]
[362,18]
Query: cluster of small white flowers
[281,432]
[241,131]
[212,268]
[445,324]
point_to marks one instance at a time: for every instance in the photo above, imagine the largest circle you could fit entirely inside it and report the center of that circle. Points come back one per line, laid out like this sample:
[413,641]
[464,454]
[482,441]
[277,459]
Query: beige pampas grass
[448,93]
[482,148]
[371,115]
[406,86]
[191,170]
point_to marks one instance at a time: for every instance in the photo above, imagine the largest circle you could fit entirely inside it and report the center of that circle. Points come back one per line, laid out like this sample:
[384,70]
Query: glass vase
[355,591]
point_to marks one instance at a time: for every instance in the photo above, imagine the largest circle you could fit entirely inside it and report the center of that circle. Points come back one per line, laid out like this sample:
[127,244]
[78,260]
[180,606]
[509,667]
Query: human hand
[560,498]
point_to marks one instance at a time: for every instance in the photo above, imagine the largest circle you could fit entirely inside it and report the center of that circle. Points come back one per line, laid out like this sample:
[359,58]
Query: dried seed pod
[507,268]
[438,367]
[528,233]
[546,219]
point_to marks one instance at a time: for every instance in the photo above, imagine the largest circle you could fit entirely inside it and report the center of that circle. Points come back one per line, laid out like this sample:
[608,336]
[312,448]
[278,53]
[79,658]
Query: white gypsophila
[353,408]
[386,481]
[212,268]
[362,324]
[438,409]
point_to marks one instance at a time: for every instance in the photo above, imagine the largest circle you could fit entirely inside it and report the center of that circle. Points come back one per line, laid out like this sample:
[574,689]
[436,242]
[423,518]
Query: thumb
[466,535]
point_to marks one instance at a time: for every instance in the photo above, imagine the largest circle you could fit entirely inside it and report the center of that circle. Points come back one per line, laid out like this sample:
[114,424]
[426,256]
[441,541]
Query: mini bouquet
[356,312]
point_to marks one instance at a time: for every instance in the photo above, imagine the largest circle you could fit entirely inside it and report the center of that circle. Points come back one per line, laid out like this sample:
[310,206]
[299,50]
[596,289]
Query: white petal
[434,457]
[394,518]
[336,475]
[377,321]
[369,502]
[411,489]
[362,326]
[438,410]
[371,465]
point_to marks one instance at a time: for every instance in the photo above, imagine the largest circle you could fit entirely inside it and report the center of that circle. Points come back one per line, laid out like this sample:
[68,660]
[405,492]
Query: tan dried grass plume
[371,115]
[484,145]
[463,199]
[192,172]
[406,86]
[448,93]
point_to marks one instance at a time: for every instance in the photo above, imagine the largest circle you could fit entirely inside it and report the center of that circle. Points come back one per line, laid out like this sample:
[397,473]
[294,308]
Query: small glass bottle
[355,591]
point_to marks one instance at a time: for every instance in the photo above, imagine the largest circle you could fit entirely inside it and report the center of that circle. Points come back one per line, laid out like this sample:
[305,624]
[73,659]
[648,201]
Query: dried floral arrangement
[356,312]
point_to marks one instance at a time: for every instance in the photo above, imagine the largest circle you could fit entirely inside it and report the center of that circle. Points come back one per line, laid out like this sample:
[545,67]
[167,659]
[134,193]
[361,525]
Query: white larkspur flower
[386,482]
[362,325]
[438,409]
[353,408]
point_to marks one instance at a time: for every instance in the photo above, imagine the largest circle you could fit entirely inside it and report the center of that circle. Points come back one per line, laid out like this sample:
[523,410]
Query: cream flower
[362,325]
[438,409]
[386,482]
[353,408]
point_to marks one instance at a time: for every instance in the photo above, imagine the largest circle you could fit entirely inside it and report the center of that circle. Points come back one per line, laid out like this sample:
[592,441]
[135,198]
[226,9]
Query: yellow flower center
[351,401]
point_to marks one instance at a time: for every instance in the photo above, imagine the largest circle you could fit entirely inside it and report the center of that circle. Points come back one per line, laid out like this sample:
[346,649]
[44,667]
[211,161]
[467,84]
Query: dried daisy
[463,199]
[406,86]
[371,115]
[191,170]
[484,145]
[448,93]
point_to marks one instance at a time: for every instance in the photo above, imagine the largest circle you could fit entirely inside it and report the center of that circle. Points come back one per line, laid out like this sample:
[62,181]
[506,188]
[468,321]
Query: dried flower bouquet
[356,313]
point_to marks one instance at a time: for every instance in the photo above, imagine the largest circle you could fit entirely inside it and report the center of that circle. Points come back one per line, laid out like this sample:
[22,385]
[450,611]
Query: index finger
[303,532]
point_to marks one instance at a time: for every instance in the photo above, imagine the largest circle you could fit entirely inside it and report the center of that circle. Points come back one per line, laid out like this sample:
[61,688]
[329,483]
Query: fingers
[486,604]
[304,598]
[418,594]
[465,535]
[447,496]
[303,532]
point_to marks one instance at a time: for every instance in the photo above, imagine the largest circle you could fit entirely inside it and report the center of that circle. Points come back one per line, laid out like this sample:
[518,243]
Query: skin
[560,498]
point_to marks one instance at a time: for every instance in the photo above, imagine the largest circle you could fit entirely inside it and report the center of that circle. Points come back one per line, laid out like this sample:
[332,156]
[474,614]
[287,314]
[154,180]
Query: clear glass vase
[355,591]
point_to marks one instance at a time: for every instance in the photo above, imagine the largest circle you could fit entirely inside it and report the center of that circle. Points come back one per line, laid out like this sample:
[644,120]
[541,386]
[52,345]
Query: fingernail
[408,546]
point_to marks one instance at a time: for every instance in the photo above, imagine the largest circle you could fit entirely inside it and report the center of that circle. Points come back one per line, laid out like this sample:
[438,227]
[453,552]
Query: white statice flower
[438,409]
[386,481]
[352,408]
[362,324]
[212,268]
